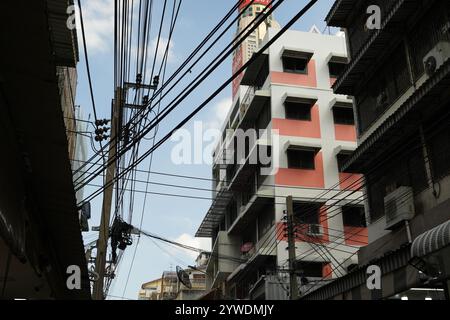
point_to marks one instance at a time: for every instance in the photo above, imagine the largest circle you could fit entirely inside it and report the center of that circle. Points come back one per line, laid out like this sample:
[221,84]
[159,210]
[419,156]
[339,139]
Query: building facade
[294,133]
[399,76]
[40,234]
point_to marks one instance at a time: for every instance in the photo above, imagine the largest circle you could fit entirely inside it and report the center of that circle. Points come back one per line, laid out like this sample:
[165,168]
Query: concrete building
[169,287]
[399,76]
[151,290]
[304,130]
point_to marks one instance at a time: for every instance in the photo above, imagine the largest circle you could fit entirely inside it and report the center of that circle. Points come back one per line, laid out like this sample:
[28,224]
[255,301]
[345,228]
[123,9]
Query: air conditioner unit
[436,57]
[315,230]
[399,207]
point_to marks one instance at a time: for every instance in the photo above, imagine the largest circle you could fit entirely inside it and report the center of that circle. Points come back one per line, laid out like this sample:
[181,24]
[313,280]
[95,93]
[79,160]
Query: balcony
[238,174]
[253,102]
[227,247]
[264,249]
[370,47]
[260,201]
[256,73]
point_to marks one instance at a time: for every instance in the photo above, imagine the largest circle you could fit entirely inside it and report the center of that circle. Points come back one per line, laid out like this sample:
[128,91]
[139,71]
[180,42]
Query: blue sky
[171,217]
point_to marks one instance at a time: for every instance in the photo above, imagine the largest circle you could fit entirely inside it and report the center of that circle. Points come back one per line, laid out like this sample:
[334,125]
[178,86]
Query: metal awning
[337,16]
[64,40]
[426,98]
[297,54]
[341,104]
[252,72]
[432,240]
[300,99]
[215,214]
[386,37]
[337,58]
[394,274]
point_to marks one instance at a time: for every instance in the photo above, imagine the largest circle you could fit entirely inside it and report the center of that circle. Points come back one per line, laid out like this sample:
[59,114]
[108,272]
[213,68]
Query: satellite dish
[184,277]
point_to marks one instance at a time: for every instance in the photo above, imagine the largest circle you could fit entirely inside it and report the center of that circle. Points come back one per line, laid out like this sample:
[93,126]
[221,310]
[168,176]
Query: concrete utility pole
[102,243]
[293,285]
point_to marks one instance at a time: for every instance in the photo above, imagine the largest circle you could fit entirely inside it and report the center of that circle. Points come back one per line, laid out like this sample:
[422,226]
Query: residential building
[304,131]
[399,76]
[169,286]
[151,290]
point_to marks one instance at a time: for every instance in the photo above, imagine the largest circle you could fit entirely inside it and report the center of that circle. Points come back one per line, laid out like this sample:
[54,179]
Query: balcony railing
[265,246]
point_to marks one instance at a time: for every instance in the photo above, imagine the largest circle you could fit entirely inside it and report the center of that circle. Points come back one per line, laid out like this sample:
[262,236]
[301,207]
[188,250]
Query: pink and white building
[308,131]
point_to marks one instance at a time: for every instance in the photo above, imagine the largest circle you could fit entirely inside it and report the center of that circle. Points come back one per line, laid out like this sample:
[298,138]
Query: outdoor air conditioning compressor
[436,57]
[399,207]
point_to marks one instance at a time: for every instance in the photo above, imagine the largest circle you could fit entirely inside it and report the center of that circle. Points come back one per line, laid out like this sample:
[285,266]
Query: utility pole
[102,243]
[293,285]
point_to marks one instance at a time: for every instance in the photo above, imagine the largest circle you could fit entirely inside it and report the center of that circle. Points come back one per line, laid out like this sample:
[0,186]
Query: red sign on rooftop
[246,2]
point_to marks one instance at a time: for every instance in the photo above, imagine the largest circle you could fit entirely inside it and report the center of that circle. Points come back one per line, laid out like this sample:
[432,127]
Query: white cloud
[162,49]
[98,18]
[220,110]
[202,243]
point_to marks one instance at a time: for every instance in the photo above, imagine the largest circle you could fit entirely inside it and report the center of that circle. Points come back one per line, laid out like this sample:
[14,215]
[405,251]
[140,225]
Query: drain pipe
[408,231]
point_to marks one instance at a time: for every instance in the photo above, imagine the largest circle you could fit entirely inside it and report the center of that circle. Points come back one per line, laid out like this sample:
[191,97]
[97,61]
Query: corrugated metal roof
[64,40]
[215,214]
[388,36]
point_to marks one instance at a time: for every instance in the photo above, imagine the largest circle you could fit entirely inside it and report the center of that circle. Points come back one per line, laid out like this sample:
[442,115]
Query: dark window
[439,148]
[354,216]
[307,212]
[342,159]
[264,118]
[301,159]
[336,69]
[298,110]
[232,213]
[343,115]
[266,219]
[295,65]
[310,269]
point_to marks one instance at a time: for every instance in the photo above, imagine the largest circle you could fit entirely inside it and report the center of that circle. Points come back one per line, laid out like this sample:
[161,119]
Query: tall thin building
[245,51]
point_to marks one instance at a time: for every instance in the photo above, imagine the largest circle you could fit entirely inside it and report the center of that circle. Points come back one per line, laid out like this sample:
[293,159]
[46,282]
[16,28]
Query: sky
[175,218]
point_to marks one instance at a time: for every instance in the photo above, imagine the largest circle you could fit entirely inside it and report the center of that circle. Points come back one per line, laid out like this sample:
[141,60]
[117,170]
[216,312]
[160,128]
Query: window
[310,269]
[307,212]
[336,69]
[342,159]
[343,115]
[264,117]
[266,219]
[354,216]
[232,213]
[296,61]
[301,159]
[439,150]
[295,65]
[298,110]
